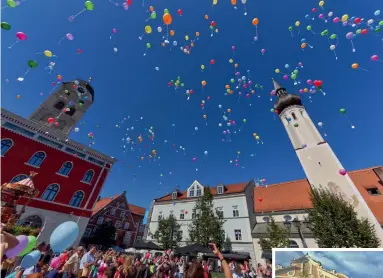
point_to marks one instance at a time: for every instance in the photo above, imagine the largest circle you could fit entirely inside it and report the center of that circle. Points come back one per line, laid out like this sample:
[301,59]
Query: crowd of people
[93,263]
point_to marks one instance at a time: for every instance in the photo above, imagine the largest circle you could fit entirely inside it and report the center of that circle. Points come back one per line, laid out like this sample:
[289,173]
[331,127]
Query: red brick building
[127,219]
[70,175]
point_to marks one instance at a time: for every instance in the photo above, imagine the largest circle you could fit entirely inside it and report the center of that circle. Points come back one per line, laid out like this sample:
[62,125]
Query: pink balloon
[194,159]
[21,36]
[125,6]
[301,91]
[69,36]
[321,16]
[285,77]
[263,51]
[343,172]
[233,48]
[336,20]
[349,35]
[309,81]
[374,57]
[114,30]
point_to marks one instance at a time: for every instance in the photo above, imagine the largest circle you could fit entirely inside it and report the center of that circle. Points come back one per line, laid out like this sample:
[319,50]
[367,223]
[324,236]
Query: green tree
[227,246]
[335,223]
[168,233]
[207,223]
[276,236]
[104,235]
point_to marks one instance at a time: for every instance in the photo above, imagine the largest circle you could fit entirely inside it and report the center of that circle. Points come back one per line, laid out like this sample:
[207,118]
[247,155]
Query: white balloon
[159,29]
[320,124]
[332,47]
[115,49]
[76,129]
[157,68]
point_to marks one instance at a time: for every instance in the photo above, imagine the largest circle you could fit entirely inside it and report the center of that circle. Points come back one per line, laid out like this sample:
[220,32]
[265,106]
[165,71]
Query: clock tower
[65,106]
[322,167]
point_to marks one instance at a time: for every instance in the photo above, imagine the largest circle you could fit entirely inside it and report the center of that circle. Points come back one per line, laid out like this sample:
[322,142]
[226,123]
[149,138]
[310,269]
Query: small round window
[266,219]
[287,217]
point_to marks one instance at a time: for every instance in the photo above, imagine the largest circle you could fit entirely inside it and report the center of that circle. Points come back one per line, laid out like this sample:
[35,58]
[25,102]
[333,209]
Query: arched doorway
[33,221]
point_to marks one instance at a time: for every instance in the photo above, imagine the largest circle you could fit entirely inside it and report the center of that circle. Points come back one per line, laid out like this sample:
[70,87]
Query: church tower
[321,165]
[66,106]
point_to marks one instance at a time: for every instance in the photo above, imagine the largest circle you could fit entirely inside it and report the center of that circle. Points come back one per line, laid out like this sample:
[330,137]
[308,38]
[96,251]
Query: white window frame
[235,211]
[238,234]
[118,224]
[160,216]
[220,189]
[182,214]
[198,192]
[126,225]
[220,210]
[174,195]
[191,192]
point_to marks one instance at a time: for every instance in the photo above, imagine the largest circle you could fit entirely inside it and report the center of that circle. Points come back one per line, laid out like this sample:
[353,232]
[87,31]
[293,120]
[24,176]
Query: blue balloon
[353,36]
[64,236]
[303,40]
[31,259]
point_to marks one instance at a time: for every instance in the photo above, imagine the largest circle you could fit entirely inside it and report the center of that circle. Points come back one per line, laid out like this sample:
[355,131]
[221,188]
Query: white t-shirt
[181,268]
[235,275]
[219,263]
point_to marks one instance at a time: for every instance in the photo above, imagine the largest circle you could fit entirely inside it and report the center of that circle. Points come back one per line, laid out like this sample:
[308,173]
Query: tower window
[88,176]
[51,192]
[37,159]
[6,144]
[294,116]
[70,112]
[302,113]
[77,199]
[60,105]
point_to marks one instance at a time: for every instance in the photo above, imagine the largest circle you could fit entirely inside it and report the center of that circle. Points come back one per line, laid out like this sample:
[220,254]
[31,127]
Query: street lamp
[298,224]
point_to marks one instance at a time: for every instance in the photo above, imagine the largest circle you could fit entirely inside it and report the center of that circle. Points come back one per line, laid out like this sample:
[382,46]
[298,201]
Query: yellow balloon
[186,37]
[48,53]
[321,3]
[216,30]
[202,67]
[215,2]
[257,137]
[297,23]
[148,29]
[344,17]
[276,70]
[231,61]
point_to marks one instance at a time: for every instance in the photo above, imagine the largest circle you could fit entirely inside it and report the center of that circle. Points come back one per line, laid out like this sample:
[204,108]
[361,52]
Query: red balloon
[364,31]
[191,92]
[51,120]
[79,51]
[212,62]
[314,10]
[357,20]
[56,123]
[202,105]
[179,11]
[260,199]
[170,84]
[129,2]
[212,23]
[318,83]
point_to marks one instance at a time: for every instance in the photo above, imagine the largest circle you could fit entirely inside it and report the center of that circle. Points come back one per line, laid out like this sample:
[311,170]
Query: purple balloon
[349,35]
[23,243]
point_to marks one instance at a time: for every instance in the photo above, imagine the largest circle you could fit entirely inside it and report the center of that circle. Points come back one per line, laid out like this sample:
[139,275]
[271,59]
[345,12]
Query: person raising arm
[225,266]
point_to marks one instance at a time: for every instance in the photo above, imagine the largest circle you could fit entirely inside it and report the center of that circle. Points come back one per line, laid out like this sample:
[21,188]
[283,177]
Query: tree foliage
[168,233]
[276,236]
[104,235]
[227,246]
[335,223]
[207,223]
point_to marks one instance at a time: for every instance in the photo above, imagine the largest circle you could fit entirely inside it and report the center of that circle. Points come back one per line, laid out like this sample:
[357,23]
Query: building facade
[70,175]
[306,267]
[289,200]
[127,218]
[235,203]
[320,164]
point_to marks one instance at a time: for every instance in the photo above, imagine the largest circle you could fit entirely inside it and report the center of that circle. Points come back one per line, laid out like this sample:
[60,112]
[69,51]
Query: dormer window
[220,189]
[199,191]
[191,192]
[195,190]
[174,195]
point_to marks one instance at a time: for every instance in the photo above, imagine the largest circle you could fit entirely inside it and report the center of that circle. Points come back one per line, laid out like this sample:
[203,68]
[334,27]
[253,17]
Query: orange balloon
[203,83]
[231,92]
[303,45]
[233,2]
[206,16]
[151,8]
[236,65]
[227,86]
[197,34]
[167,19]
[172,33]
[355,65]
[204,116]
[255,21]
[191,44]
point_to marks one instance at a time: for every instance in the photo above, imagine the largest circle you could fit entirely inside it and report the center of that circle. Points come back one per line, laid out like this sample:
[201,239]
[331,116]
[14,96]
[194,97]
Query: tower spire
[276,85]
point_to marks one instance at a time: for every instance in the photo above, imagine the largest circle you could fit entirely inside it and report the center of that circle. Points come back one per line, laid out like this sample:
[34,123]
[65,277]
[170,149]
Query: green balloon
[381,23]
[232,80]
[148,45]
[324,33]
[32,64]
[272,110]
[358,32]
[228,91]
[333,36]
[295,71]
[211,27]
[308,28]
[89,5]
[153,15]
[378,29]
[182,84]
[166,11]
[5,26]
[290,28]
[293,76]
[32,240]
[342,111]
[11,3]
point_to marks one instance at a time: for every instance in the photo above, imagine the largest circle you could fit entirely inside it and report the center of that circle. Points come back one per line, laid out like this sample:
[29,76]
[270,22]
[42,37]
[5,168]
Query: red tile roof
[136,210]
[229,189]
[294,195]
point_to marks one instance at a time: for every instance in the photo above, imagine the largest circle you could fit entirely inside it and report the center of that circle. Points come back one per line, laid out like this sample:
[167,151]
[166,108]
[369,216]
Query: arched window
[294,116]
[76,199]
[59,105]
[70,112]
[65,168]
[293,244]
[19,178]
[301,110]
[37,159]
[51,192]
[6,144]
[88,176]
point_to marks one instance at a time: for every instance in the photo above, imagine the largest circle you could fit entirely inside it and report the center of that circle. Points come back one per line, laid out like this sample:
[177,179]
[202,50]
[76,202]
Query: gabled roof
[228,189]
[294,195]
[104,202]
[136,209]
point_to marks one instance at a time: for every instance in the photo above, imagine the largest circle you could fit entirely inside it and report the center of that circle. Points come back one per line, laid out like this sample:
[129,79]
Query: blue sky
[358,264]
[128,86]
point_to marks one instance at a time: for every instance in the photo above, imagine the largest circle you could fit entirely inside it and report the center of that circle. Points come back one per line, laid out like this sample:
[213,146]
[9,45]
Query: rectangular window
[50,142]
[220,189]
[72,151]
[142,227]
[171,212]
[138,239]
[199,192]
[113,211]
[21,130]
[180,234]
[182,214]
[238,234]
[126,225]
[118,224]
[374,191]
[96,161]
[122,213]
[235,211]
[220,212]
[174,195]
[191,193]
[160,216]
[100,220]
